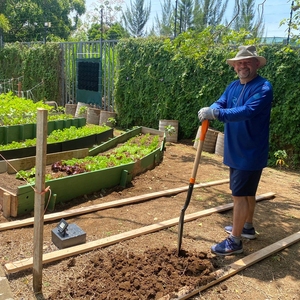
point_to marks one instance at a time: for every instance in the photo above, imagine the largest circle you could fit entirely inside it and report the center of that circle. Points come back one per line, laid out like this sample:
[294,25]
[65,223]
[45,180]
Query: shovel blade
[180,230]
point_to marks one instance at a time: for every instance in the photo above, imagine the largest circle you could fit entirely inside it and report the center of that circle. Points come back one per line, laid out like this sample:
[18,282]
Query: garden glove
[207,113]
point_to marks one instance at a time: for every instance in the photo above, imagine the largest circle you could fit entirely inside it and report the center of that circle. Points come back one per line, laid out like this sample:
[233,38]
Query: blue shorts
[244,183]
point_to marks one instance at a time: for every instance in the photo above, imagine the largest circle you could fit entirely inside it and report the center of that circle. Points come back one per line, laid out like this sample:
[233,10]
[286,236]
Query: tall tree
[105,17]
[245,18]
[4,23]
[112,32]
[110,12]
[30,19]
[4,27]
[209,13]
[293,21]
[136,17]
[165,24]
[186,17]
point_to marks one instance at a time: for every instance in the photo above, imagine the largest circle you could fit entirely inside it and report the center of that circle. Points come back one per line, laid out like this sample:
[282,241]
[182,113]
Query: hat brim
[261,59]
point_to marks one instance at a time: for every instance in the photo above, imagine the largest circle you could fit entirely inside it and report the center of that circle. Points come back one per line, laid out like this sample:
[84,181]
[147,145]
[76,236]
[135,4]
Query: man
[245,108]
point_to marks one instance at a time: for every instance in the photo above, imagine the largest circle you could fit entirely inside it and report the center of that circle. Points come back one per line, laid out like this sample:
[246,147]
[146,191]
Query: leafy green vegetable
[15,110]
[59,135]
[131,151]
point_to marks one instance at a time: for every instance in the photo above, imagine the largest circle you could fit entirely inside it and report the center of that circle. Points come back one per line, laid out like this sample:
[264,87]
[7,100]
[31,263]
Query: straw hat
[246,52]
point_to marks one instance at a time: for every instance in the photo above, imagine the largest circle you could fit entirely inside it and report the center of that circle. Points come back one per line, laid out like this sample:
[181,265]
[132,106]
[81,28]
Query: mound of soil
[150,275]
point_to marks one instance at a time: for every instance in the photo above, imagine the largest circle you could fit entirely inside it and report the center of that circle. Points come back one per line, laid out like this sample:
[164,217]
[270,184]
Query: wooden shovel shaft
[203,131]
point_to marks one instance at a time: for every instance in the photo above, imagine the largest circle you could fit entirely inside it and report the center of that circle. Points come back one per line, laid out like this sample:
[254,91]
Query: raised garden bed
[18,118]
[62,189]
[82,142]
[22,132]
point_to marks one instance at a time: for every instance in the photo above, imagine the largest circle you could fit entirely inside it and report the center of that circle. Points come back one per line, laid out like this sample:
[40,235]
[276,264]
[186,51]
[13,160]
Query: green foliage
[37,71]
[113,32]
[136,16]
[245,18]
[112,121]
[134,149]
[167,83]
[165,24]
[281,157]
[294,23]
[83,110]
[169,129]
[285,117]
[38,68]
[209,12]
[59,135]
[4,23]
[15,110]
[27,19]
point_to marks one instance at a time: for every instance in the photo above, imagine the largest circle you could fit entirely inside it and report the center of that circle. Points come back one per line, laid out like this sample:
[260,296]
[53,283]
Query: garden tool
[203,131]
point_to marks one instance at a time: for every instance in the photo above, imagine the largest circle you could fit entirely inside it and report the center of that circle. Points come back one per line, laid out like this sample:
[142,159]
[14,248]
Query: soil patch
[151,275]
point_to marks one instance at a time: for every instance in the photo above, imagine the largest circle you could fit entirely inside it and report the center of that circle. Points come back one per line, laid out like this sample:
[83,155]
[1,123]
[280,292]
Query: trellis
[102,50]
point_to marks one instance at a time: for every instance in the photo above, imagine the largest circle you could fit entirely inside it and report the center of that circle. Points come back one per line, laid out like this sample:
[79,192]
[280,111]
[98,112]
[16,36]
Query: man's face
[246,68]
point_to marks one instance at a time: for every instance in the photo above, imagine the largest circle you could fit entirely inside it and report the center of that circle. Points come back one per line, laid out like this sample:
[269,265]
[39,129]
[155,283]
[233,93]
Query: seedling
[169,129]
[281,156]
[112,121]
[83,110]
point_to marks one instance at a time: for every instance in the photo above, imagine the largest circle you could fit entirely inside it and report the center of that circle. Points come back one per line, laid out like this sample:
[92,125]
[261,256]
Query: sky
[274,12]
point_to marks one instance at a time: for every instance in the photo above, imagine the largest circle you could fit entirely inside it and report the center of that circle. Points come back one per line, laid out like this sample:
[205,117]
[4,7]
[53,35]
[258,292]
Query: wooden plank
[1,198]
[63,253]
[2,192]
[146,130]
[102,206]
[14,206]
[243,263]
[26,163]
[6,205]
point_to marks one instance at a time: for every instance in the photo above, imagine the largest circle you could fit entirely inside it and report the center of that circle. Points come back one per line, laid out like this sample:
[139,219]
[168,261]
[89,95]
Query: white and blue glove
[207,113]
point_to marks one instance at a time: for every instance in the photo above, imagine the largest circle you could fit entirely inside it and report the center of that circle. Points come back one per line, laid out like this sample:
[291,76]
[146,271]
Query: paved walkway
[5,291]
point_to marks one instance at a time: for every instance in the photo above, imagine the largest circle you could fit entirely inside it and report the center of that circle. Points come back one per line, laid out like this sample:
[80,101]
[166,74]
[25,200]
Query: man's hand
[207,113]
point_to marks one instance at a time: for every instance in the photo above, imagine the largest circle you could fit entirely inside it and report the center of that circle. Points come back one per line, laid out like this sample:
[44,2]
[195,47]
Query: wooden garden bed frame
[62,190]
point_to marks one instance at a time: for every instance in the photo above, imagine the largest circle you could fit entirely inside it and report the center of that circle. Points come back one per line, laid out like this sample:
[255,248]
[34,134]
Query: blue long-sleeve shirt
[245,109]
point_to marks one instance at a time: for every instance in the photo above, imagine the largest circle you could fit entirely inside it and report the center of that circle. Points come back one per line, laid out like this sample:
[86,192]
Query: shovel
[203,131]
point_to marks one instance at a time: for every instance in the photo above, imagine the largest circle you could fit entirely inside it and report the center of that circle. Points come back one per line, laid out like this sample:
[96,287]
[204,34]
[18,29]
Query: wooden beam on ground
[241,264]
[63,253]
[102,206]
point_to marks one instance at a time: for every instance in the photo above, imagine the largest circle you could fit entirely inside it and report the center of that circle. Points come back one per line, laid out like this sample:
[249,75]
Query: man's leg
[233,244]
[241,212]
[251,208]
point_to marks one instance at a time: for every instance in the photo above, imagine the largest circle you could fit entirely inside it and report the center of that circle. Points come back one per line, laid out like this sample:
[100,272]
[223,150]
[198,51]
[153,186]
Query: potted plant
[170,127]
[111,122]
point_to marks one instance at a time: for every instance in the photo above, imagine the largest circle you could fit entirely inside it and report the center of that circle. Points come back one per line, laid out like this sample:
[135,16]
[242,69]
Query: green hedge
[39,65]
[155,83]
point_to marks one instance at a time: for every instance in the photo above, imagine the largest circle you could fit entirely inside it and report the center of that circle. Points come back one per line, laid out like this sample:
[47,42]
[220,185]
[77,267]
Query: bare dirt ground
[147,266]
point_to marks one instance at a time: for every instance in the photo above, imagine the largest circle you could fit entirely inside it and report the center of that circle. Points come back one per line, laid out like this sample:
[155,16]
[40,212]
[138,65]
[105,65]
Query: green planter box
[67,188]
[22,132]
[84,142]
